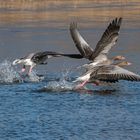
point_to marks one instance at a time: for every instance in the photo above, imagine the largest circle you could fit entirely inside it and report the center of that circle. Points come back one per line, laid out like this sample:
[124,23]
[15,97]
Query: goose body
[40,58]
[99,62]
[107,41]
[112,73]
[108,73]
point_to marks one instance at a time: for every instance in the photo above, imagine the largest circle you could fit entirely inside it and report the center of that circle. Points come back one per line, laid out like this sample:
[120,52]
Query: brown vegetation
[61,11]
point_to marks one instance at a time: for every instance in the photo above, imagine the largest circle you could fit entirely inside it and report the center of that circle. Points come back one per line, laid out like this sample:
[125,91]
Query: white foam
[62,84]
[8,74]
[33,77]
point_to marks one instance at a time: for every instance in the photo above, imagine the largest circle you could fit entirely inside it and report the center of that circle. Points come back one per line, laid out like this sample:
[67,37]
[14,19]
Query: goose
[99,54]
[112,74]
[108,73]
[40,58]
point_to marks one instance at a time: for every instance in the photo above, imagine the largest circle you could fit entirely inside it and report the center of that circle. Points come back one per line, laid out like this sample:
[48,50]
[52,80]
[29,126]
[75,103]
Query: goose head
[17,61]
[124,63]
[119,57]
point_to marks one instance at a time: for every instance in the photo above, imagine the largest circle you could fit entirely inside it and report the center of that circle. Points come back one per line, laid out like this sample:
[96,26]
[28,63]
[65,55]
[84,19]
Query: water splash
[63,84]
[34,77]
[8,74]
[59,86]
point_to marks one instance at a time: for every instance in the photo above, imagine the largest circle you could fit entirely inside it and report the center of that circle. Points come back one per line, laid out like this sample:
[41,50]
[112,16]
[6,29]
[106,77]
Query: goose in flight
[99,54]
[40,58]
[108,73]
[112,73]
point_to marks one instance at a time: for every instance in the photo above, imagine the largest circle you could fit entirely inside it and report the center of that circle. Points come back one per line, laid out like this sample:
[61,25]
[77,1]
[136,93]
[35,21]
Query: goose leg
[23,69]
[82,84]
[30,70]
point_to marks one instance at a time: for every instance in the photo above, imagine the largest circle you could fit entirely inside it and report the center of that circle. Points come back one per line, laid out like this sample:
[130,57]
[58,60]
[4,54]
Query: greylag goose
[123,63]
[108,73]
[107,41]
[34,59]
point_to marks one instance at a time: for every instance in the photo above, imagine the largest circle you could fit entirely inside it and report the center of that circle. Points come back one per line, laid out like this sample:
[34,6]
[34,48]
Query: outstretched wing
[114,73]
[108,40]
[83,47]
[41,57]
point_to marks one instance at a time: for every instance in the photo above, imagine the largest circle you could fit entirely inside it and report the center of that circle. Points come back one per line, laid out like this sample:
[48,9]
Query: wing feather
[114,73]
[41,57]
[108,40]
[83,47]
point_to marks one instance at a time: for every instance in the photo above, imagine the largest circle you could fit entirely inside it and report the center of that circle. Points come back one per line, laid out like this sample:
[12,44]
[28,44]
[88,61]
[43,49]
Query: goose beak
[122,58]
[129,63]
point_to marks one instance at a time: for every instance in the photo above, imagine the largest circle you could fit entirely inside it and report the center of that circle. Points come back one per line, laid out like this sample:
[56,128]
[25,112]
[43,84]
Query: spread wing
[41,57]
[108,40]
[83,47]
[114,73]
[29,56]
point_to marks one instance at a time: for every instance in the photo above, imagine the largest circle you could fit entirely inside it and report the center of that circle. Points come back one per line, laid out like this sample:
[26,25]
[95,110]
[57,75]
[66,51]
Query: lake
[48,107]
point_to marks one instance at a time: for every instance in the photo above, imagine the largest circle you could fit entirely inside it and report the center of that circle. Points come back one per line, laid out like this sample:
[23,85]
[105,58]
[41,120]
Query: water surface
[51,109]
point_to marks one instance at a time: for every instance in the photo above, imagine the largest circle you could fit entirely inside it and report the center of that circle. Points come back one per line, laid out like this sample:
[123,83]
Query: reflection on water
[47,13]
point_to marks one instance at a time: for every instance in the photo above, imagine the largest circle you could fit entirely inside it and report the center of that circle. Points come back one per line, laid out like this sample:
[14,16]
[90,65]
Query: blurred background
[43,25]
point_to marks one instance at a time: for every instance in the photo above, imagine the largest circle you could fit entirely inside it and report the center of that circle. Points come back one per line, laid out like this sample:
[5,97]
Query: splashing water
[61,85]
[33,77]
[8,74]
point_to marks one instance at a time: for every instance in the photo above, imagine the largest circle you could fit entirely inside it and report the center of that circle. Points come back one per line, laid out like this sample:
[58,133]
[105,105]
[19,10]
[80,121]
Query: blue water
[46,105]
[52,109]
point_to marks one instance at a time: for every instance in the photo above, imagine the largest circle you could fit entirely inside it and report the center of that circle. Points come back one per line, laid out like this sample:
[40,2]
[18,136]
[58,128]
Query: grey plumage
[83,47]
[107,41]
[39,58]
[112,73]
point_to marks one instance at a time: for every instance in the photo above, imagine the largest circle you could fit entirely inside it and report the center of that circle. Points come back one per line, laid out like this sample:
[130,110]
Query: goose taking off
[107,41]
[108,73]
[112,73]
[40,58]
